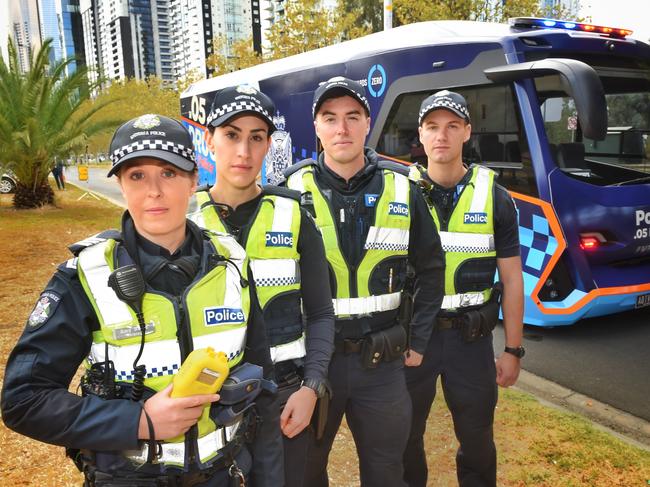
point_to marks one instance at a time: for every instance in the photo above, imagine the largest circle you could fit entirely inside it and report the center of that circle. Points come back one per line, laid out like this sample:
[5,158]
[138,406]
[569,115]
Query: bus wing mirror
[578,79]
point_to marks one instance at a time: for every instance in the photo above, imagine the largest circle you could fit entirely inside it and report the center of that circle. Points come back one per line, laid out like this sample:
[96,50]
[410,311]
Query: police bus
[560,110]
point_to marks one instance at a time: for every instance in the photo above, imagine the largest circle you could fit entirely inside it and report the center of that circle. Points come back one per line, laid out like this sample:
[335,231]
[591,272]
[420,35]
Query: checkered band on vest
[154,372]
[275,281]
[236,106]
[467,249]
[385,246]
[444,103]
[155,144]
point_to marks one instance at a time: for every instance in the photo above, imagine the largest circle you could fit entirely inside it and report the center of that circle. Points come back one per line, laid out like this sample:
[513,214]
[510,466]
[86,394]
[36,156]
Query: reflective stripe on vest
[216,309]
[273,253]
[173,454]
[387,237]
[470,235]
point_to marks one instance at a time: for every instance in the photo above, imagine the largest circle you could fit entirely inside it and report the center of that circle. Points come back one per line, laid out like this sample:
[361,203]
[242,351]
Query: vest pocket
[283,318]
[475,275]
[388,276]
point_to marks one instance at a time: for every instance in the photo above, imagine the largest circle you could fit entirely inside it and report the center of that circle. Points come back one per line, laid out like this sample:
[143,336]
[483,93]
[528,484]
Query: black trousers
[468,377]
[295,457]
[377,407]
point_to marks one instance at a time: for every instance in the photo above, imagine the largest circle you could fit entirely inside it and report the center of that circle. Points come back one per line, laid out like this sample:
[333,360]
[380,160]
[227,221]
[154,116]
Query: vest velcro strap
[386,238]
[475,243]
[366,305]
[462,300]
[275,272]
[289,351]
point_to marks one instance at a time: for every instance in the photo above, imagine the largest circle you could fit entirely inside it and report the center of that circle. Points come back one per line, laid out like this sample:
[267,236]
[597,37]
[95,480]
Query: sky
[626,14]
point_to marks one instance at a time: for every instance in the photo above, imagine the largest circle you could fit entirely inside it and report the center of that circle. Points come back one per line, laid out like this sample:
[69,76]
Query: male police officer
[477,222]
[374,224]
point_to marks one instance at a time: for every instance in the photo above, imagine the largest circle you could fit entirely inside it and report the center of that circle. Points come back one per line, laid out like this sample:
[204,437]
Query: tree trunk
[27,197]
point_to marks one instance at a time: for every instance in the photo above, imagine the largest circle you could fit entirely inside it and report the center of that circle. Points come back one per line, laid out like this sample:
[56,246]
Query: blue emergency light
[539,23]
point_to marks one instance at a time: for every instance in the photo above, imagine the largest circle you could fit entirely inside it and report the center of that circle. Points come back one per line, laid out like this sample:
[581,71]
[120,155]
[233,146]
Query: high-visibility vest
[388,237]
[468,242]
[271,244]
[215,307]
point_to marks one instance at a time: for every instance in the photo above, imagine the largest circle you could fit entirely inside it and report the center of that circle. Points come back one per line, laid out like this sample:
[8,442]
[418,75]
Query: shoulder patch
[45,307]
[77,247]
[297,166]
[281,191]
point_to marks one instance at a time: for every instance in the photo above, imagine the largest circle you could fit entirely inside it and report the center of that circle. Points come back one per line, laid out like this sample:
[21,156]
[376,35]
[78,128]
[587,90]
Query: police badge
[279,156]
[45,307]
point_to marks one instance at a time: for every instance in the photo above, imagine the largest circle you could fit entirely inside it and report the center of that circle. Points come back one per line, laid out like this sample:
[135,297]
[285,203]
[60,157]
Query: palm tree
[44,115]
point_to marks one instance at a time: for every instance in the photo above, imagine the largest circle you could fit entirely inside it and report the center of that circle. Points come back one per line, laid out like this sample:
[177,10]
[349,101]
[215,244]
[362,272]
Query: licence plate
[642,300]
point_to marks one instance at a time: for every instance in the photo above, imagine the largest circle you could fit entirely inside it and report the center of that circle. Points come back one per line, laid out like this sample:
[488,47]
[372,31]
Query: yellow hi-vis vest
[272,248]
[387,237]
[215,307]
[468,236]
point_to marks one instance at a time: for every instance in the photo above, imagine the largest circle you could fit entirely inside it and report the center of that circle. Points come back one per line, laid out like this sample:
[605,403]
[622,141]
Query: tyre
[7,185]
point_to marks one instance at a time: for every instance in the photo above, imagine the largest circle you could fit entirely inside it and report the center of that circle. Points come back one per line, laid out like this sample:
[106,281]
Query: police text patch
[395,208]
[222,316]
[44,309]
[279,239]
[471,218]
[370,199]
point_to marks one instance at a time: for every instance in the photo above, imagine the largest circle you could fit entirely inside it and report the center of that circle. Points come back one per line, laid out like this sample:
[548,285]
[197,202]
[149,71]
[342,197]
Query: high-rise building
[71,33]
[50,27]
[23,25]
[128,38]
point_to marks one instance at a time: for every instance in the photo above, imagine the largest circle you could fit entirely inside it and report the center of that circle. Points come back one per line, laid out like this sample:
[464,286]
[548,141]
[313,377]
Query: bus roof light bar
[540,23]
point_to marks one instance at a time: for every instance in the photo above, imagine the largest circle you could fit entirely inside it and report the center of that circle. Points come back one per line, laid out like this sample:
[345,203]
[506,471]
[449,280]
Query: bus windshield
[623,157]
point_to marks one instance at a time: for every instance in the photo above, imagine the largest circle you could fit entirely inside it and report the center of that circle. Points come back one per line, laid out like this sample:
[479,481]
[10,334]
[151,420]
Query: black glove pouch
[386,345]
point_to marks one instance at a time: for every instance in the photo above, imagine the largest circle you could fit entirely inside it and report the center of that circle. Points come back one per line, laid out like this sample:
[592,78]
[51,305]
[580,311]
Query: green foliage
[43,116]
[409,11]
[129,99]
[240,55]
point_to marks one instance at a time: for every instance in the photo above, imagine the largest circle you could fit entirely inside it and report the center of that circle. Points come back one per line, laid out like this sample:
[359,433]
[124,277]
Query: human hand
[170,416]
[412,358]
[297,412]
[508,367]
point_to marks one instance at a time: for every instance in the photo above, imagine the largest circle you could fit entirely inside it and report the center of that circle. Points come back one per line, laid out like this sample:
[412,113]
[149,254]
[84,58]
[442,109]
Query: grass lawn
[537,445]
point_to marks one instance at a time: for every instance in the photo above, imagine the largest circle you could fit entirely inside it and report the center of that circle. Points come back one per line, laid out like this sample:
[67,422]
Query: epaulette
[281,191]
[402,169]
[203,187]
[297,166]
[112,234]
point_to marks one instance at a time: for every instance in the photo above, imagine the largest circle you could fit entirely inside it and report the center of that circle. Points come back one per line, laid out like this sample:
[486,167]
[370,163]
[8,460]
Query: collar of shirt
[338,183]
[237,218]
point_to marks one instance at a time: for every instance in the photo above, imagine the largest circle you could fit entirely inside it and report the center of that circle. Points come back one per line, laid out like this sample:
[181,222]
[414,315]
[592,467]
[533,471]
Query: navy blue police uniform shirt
[58,336]
[317,303]
[354,201]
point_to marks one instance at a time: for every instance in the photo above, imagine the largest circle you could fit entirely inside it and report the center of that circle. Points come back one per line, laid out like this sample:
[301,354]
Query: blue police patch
[222,316]
[473,218]
[370,199]
[279,239]
[396,208]
[44,309]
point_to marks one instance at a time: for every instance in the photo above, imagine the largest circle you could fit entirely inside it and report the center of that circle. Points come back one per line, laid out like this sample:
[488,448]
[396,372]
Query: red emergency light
[592,240]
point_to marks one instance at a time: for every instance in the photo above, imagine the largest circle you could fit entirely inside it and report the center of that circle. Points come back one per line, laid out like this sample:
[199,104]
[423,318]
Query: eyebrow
[238,129]
[351,112]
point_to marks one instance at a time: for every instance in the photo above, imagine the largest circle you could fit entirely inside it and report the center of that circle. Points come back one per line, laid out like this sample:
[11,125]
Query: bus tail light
[592,240]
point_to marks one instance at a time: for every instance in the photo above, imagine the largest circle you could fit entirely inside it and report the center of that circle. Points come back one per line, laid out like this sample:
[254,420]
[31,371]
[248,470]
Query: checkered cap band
[155,144]
[444,103]
[237,106]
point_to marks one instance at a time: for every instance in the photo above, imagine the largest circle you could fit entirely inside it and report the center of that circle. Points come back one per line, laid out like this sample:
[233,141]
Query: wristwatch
[319,386]
[518,352]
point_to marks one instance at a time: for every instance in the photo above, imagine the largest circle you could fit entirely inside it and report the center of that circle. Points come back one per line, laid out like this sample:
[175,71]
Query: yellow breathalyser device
[203,372]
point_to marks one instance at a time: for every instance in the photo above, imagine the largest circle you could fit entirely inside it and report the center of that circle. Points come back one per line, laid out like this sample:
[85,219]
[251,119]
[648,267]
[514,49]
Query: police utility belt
[474,322]
[380,346]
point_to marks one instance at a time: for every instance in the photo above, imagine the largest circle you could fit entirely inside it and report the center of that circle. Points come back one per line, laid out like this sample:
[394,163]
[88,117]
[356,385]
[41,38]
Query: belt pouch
[394,342]
[470,328]
[372,350]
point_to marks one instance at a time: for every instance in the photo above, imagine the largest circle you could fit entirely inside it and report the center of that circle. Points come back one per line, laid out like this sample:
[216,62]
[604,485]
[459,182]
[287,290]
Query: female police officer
[276,232]
[193,295]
